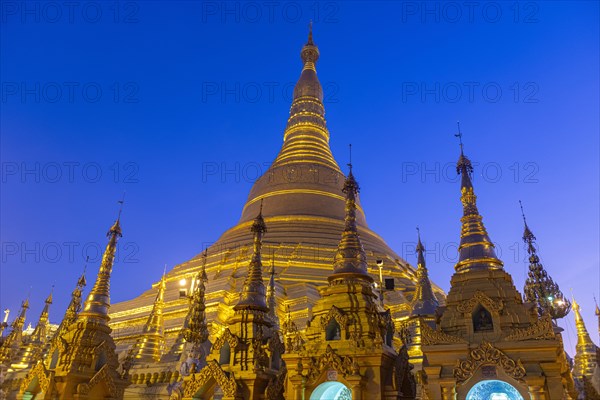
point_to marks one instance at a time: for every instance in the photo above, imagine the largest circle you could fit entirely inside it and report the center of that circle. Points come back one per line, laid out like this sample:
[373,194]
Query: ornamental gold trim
[211,371]
[541,329]
[276,385]
[330,359]
[479,297]
[430,336]
[228,337]
[102,376]
[336,314]
[487,354]
[39,372]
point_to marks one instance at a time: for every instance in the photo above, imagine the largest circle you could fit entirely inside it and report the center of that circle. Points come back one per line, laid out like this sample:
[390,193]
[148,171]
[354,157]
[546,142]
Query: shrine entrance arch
[331,390]
[493,390]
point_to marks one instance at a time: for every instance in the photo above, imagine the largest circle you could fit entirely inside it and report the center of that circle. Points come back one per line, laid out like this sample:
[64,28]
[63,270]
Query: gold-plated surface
[304,209]
[586,352]
[83,363]
[485,330]
[476,250]
[11,344]
[348,333]
[423,301]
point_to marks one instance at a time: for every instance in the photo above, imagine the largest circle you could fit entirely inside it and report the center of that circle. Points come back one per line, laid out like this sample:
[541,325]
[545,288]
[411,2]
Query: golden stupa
[303,206]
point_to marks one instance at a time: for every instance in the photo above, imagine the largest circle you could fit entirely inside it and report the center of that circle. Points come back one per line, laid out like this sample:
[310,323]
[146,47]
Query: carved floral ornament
[39,372]
[468,306]
[331,360]
[541,329]
[102,376]
[487,354]
[211,370]
[275,386]
[228,337]
[275,345]
[337,314]
[430,336]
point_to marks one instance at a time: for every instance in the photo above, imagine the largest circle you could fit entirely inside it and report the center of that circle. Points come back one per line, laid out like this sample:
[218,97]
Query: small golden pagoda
[33,346]
[245,360]
[348,351]
[150,346]
[586,367]
[82,363]
[487,340]
[423,307]
[10,345]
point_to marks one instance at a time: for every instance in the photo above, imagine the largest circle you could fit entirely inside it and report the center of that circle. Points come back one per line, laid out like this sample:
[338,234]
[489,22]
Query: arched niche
[482,319]
[333,330]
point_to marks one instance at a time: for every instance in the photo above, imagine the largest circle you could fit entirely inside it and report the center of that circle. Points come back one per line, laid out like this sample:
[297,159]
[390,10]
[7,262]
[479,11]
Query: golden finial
[424,301]
[310,35]
[420,247]
[49,298]
[522,212]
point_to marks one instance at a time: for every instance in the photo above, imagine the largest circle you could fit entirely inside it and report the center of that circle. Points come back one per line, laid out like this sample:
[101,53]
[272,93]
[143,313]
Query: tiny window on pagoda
[482,320]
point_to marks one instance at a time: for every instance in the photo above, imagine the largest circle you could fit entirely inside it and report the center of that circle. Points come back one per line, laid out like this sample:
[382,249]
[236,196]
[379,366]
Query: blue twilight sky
[182,104]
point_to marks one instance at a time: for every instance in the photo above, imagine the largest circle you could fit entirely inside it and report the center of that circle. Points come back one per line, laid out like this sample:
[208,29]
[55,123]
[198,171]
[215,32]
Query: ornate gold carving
[275,345]
[337,314]
[430,336]
[211,371]
[39,372]
[105,377]
[541,329]
[228,337]
[275,386]
[329,359]
[487,354]
[480,298]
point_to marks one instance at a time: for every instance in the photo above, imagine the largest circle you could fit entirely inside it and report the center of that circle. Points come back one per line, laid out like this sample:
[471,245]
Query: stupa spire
[253,292]
[424,301]
[150,346]
[586,355]
[195,329]
[540,289]
[11,343]
[39,333]
[74,306]
[476,250]
[34,347]
[350,259]
[271,299]
[85,355]
[306,138]
[98,301]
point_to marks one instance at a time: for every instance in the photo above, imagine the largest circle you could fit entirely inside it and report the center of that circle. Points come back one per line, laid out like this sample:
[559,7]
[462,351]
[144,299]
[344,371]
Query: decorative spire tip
[459,136]
[350,159]
[121,202]
[523,212]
